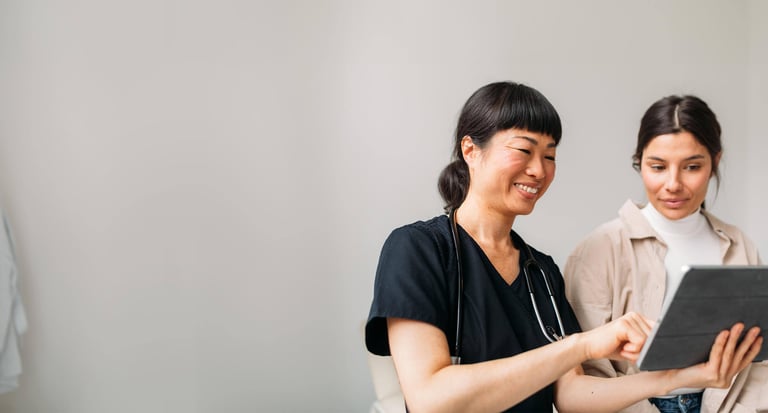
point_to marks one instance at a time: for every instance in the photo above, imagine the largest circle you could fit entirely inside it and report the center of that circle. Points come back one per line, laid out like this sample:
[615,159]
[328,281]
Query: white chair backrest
[389,396]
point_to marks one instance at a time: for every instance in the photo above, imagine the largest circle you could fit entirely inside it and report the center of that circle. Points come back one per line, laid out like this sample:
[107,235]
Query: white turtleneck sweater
[690,241]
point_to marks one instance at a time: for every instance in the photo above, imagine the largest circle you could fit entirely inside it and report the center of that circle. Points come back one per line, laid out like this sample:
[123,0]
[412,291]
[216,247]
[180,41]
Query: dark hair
[675,114]
[492,108]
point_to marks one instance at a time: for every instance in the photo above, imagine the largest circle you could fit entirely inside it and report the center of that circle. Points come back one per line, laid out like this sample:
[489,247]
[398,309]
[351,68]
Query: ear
[716,161]
[468,149]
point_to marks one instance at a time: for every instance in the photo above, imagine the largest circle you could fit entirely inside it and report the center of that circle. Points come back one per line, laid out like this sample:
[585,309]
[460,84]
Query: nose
[673,183]
[536,168]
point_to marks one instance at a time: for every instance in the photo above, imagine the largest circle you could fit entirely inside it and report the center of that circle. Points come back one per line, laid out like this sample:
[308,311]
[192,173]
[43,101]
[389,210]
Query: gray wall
[200,189]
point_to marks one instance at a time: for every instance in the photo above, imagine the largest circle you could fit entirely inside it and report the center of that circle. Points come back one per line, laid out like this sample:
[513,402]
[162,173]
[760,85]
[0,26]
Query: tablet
[709,299]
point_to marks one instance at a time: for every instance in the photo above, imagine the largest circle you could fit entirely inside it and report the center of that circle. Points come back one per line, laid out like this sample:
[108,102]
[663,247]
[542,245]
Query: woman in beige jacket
[632,262]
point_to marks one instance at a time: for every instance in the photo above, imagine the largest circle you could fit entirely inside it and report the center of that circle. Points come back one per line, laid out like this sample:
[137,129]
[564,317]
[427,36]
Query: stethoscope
[531,263]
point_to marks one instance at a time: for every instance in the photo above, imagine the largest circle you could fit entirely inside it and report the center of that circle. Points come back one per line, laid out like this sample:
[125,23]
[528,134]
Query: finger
[632,347]
[629,356]
[730,349]
[635,335]
[718,347]
[746,344]
[754,349]
[629,353]
[639,326]
[647,325]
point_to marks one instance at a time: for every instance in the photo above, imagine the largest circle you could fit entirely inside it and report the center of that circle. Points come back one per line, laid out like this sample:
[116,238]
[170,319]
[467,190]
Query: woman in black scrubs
[461,301]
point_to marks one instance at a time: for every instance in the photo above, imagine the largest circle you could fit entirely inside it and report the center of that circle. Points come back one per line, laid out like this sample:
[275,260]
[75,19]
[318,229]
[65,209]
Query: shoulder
[629,224]
[422,247]
[738,238]
[605,236]
[729,230]
[606,246]
[429,234]
[431,228]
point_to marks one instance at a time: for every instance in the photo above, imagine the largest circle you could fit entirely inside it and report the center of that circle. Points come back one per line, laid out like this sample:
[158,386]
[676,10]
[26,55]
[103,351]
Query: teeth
[528,189]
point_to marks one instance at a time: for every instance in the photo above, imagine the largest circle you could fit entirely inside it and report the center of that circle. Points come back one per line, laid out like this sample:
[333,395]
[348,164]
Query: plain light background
[199,190]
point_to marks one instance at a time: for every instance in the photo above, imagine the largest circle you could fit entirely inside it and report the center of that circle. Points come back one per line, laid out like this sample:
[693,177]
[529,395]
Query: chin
[517,208]
[522,211]
[675,214]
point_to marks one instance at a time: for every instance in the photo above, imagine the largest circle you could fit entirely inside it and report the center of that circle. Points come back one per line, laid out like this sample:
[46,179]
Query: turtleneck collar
[680,227]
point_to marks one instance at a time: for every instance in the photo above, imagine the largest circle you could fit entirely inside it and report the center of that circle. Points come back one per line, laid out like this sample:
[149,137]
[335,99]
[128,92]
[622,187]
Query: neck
[485,225]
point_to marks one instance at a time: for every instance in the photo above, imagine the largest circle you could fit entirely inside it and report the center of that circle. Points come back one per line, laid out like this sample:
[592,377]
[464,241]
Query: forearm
[581,393]
[495,385]
[430,383]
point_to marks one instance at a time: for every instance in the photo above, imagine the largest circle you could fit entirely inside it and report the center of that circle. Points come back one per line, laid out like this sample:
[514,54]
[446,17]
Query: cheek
[513,163]
[548,180]
[551,172]
[652,182]
[700,184]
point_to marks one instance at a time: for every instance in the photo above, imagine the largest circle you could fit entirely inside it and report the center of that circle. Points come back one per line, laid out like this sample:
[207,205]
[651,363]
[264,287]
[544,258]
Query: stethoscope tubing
[460,289]
[550,336]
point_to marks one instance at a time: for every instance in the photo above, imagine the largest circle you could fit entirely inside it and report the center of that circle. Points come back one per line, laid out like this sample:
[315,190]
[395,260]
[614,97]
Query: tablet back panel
[708,300]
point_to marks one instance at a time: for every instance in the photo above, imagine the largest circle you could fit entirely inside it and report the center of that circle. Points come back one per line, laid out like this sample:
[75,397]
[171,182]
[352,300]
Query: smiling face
[676,169]
[512,171]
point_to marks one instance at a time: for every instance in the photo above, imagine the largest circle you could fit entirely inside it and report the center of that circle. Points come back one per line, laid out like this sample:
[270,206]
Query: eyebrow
[533,141]
[690,158]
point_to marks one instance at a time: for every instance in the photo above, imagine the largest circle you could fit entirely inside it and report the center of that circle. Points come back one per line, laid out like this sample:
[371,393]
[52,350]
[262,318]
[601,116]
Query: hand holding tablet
[709,300]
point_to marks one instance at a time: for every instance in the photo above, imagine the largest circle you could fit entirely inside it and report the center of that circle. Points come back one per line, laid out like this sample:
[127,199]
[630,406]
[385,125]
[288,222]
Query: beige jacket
[619,268]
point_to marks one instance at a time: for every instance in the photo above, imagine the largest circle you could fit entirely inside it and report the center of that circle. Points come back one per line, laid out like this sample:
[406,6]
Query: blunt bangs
[523,107]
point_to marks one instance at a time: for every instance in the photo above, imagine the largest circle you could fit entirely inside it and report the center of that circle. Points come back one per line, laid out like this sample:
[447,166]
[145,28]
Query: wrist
[665,380]
[578,346]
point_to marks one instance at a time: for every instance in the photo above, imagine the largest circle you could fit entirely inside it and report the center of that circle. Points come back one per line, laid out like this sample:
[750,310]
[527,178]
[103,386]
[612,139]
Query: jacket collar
[637,226]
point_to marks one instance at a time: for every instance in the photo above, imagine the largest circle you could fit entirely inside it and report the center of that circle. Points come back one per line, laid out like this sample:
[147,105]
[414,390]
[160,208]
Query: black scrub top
[417,279]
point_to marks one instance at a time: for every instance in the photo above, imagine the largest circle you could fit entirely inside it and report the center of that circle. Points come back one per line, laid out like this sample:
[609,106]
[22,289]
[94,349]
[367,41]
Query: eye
[693,167]
[550,158]
[525,151]
[656,167]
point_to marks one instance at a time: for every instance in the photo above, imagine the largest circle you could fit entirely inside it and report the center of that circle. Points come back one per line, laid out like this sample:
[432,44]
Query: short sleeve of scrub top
[411,282]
